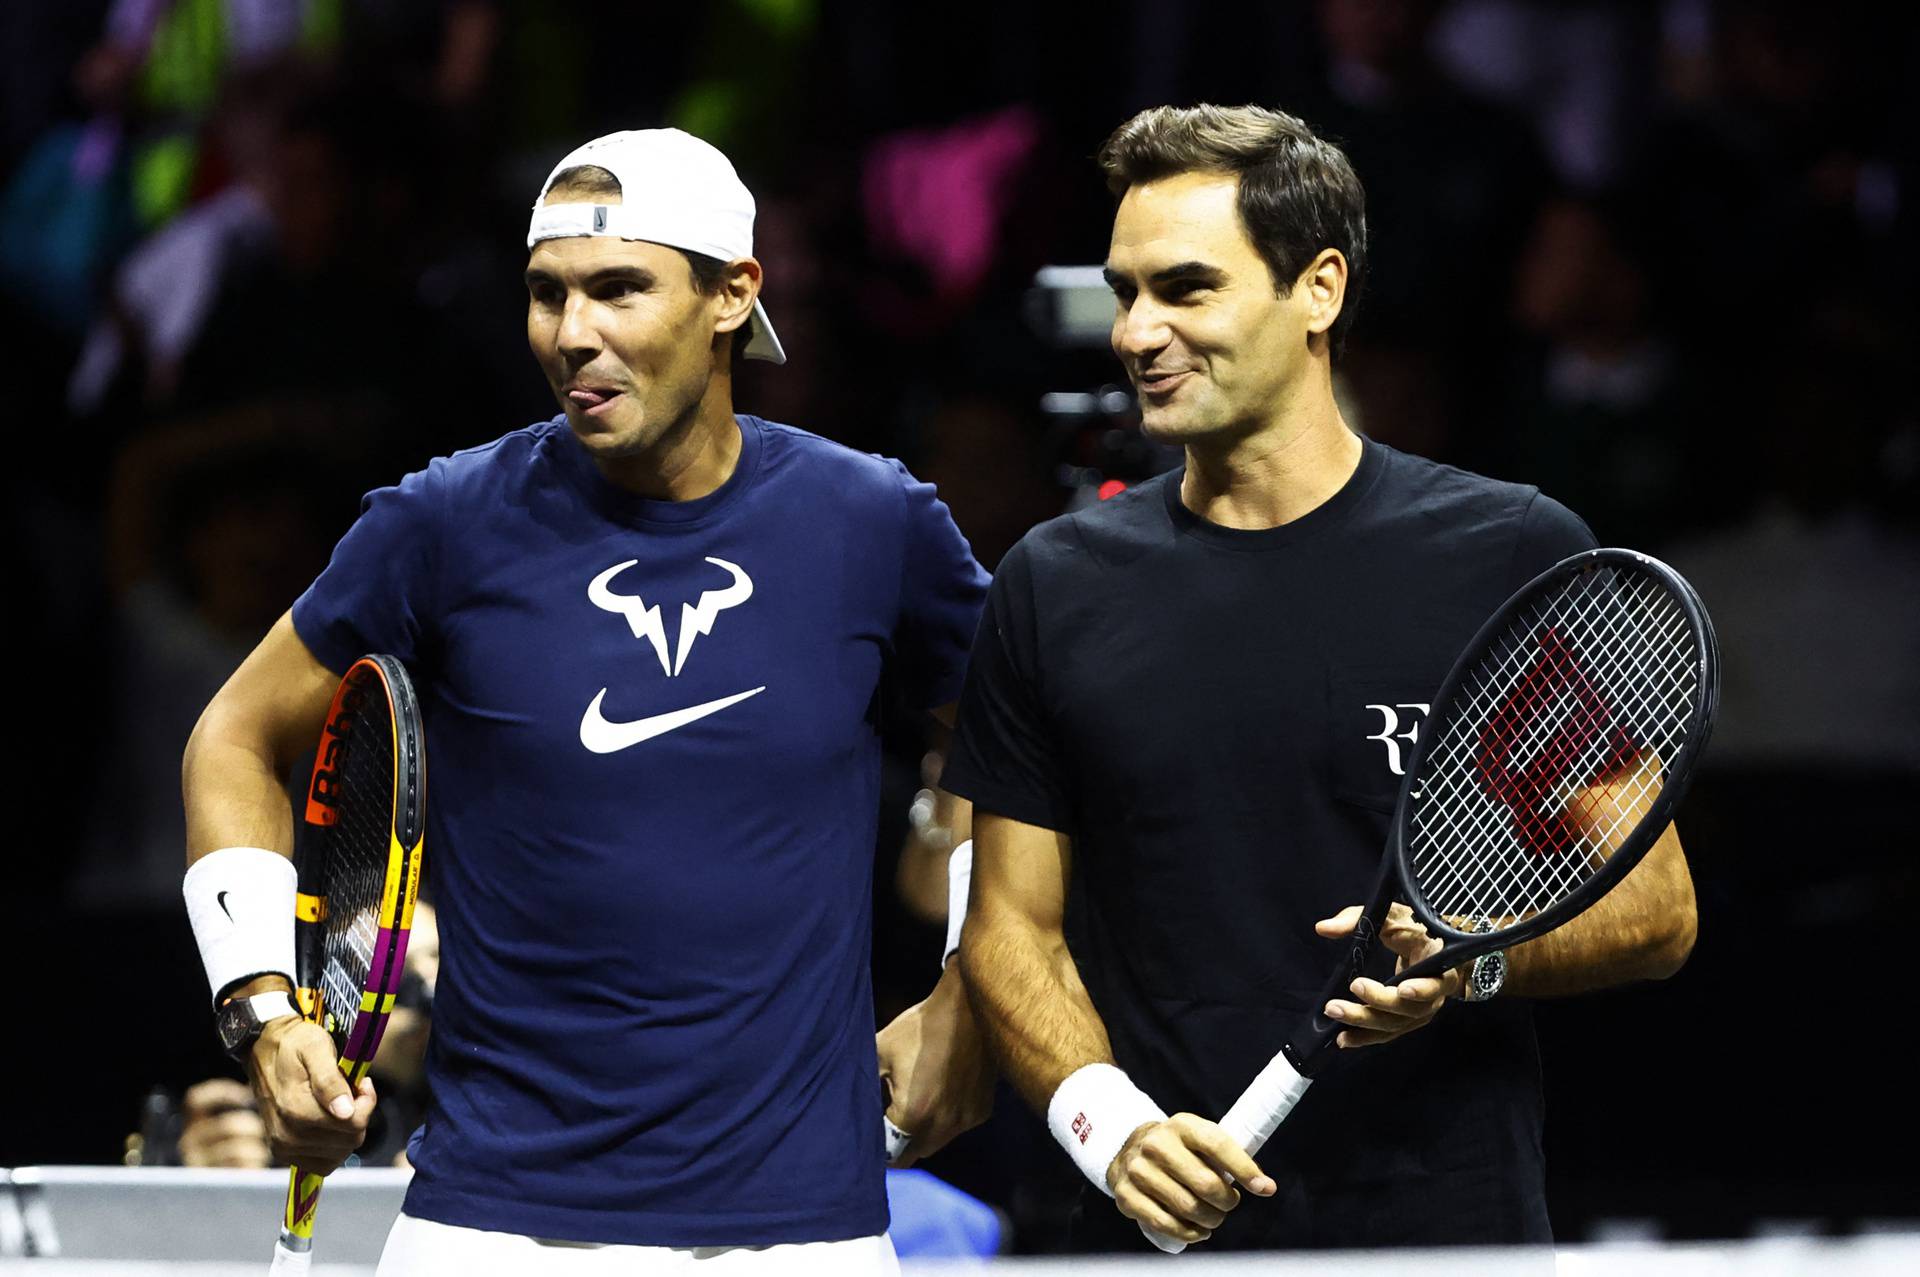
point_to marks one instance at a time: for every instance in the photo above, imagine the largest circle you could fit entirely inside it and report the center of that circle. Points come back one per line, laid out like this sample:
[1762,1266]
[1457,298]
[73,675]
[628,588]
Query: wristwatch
[1486,977]
[241,1020]
[1488,974]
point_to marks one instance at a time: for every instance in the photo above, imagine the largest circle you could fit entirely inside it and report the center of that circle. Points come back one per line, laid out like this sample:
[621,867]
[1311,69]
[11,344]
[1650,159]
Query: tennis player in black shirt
[1184,725]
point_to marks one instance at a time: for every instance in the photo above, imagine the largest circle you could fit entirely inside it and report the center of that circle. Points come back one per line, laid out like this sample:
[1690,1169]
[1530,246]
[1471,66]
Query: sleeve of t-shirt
[1006,754]
[1549,532]
[376,594]
[941,592]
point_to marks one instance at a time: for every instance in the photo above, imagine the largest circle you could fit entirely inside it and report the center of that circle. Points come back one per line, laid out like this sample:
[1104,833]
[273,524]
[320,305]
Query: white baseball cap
[675,190]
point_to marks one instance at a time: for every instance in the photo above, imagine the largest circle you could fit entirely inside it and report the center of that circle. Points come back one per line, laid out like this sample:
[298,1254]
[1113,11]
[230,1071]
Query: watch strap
[242,1019]
[271,1005]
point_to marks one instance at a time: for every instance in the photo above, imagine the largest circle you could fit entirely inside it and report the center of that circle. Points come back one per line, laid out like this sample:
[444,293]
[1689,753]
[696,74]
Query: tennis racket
[1555,755]
[359,875]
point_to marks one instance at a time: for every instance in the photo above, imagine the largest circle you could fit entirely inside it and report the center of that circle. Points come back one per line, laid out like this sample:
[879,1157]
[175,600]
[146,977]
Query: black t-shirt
[1218,718]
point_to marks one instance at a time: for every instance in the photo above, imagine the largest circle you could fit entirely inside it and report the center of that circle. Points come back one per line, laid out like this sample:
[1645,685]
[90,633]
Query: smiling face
[626,339]
[1212,348]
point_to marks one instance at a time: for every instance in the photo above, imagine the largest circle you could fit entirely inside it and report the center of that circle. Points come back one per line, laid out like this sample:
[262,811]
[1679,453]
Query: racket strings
[1553,748]
[1553,732]
[355,855]
[1552,719]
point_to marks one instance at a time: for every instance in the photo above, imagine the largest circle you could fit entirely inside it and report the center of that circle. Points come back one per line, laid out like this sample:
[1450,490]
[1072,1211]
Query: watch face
[1489,974]
[237,1025]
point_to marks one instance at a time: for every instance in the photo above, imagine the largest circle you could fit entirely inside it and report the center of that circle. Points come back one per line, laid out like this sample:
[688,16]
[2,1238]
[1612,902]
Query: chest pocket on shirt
[1374,719]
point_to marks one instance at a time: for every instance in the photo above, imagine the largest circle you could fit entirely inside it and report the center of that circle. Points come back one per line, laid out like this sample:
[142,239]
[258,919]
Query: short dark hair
[583,179]
[709,273]
[1298,192]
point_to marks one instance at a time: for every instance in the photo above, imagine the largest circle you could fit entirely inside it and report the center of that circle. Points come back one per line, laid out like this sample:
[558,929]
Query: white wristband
[1093,1113]
[896,1139]
[240,902]
[959,877]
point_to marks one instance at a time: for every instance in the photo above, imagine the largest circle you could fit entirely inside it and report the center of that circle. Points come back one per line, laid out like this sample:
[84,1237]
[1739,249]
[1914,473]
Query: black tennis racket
[359,875]
[1555,755]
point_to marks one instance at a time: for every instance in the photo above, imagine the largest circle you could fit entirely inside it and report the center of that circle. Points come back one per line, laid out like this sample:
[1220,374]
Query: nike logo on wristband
[603,736]
[221,900]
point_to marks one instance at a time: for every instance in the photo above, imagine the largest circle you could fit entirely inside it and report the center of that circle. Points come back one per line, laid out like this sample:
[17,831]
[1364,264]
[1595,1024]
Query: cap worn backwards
[675,190]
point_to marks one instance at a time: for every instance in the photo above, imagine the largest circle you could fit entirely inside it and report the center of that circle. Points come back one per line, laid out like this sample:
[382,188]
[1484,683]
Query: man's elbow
[1668,940]
[216,726]
[196,742]
[1668,951]
[990,941]
[224,734]
[970,958]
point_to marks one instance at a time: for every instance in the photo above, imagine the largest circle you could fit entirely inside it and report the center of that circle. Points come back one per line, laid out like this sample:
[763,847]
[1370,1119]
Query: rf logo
[1390,734]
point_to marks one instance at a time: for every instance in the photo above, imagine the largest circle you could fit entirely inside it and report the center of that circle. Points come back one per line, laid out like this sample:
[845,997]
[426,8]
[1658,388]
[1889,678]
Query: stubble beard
[1178,424]
[610,442]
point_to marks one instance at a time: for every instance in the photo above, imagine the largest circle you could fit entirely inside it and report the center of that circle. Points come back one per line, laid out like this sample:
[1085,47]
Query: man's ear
[738,289]
[1325,280]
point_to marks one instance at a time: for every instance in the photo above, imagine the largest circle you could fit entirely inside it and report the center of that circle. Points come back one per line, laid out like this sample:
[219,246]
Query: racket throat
[1310,1049]
[1309,1052]
[1313,1049]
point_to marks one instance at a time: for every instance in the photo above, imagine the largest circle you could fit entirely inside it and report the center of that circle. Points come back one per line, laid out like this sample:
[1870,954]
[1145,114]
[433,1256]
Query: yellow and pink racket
[359,877]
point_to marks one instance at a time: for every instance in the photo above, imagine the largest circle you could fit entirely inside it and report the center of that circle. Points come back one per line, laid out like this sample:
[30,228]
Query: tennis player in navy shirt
[649,636]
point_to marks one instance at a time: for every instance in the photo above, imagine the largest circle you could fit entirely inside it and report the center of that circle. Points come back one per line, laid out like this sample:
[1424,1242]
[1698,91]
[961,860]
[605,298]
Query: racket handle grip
[1172,1245]
[289,1263]
[1266,1102]
[1253,1119]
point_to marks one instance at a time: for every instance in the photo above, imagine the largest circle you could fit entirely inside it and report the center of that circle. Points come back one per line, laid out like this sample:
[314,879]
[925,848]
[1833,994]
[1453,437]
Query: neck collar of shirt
[629,507]
[1329,513]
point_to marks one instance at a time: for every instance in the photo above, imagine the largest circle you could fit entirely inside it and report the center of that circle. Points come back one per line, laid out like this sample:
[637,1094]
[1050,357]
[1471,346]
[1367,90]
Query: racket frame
[382,675]
[1308,1049]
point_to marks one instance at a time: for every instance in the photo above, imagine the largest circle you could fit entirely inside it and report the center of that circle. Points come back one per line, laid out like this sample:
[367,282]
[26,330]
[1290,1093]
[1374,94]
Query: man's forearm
[1031,1006]
[240,888]
[233,794]
[1641,930]
[234,800]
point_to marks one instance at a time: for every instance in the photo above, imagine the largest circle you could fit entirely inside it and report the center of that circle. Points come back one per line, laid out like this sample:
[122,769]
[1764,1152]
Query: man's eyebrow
[1195,271]
[606,273]
[1198,272]
[638,274]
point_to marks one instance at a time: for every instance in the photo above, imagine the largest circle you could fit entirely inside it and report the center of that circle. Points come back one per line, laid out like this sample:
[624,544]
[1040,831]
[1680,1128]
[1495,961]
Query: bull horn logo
[695,618]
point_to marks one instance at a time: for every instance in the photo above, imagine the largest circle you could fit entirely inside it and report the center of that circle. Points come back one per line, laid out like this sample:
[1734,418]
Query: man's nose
[1140,331]
[578,337]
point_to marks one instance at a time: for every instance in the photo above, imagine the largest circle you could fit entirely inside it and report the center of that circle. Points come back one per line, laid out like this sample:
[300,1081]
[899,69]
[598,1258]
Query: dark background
[1659,258]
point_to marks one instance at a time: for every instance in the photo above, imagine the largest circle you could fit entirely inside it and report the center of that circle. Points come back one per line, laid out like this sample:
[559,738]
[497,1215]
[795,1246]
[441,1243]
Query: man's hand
[312,1118]
[934,1065]
[1383,1013]
[1177,1177]
[220,1127]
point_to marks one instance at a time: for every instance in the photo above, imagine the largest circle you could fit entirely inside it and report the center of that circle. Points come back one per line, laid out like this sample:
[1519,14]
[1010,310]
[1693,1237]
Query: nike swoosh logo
[221,900]
[604,737]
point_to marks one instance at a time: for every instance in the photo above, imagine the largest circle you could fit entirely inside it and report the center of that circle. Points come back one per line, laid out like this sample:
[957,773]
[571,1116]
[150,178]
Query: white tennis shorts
[422,1248]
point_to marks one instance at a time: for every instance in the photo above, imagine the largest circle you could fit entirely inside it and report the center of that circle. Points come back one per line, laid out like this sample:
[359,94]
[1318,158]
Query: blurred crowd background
[1660,258]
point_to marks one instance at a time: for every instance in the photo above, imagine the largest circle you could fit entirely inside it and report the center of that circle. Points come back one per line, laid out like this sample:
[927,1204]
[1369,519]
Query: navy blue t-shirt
[652,780]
